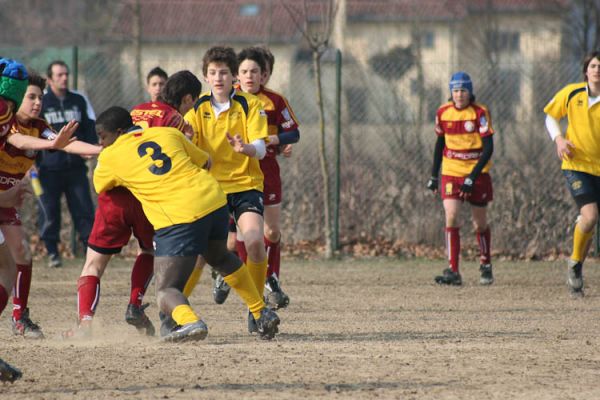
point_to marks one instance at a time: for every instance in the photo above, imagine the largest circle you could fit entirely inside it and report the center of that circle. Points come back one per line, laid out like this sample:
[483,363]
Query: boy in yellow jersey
[463,149]
[231,127]
[579,151]
[163,170]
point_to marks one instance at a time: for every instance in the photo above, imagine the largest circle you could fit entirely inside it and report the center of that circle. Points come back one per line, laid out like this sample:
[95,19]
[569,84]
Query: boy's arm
[104,178]
[48,141]
[83,148]
[192,131]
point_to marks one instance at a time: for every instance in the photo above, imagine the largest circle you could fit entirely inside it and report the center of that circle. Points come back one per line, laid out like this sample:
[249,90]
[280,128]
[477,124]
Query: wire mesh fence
[387,139]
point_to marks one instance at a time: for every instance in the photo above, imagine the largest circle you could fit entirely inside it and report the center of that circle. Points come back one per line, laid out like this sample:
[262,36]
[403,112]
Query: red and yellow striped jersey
[280,117]
[463,130]
[6,117]
[156,113]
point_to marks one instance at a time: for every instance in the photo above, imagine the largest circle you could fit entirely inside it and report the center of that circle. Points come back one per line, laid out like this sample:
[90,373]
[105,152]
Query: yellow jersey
[163,171]
[235,172]
[584,127]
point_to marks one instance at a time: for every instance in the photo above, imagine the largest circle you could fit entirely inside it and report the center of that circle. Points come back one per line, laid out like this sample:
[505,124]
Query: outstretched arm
[433,182]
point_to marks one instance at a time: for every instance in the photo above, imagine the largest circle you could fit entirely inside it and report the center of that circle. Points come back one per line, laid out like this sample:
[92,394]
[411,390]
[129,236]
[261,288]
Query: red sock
[241,250]
[3,298]
[485,244]
[21,290]
[141,274]
[273,255]
[453,247]
[88,295]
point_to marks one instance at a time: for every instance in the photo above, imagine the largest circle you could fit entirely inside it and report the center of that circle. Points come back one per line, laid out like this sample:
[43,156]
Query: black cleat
[8,373]
[268,324]
[252,328]
[487,277]
[575,278]
[26,327]
[220,288]
[276,298]
[136,316]
[449,277]
[188,332]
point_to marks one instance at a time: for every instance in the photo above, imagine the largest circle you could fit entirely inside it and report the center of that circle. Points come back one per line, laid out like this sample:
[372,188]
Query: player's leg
[50,215]
[79,202]
[251,227]
[585,191]
[8,271]
[451,275]
[276,297]
[484,240]
[238,276]
[220,288]
[19,248]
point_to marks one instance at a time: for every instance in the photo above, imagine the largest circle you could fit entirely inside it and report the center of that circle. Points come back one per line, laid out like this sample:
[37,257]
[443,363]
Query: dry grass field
[365,329]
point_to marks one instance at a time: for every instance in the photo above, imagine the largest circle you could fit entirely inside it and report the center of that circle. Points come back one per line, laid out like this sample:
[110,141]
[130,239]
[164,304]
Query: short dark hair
[157,71]
[113,119]
[220,54]
[269,57]
[255,54]
[177,86]
[588,59]
[36,79]
[52,64]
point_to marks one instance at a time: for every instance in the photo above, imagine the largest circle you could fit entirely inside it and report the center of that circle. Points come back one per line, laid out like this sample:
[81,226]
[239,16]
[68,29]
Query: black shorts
[584,187]
[248,201]
[184,240]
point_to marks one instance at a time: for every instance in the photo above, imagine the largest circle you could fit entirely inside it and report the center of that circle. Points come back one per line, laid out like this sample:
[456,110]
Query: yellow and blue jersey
[235,172]
[163,171]
[583,129]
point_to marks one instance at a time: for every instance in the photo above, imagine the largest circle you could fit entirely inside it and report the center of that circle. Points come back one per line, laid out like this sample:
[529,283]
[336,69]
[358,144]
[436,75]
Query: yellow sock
[242,283]
[193,280]
[580,241]
[258,272]
[183,314]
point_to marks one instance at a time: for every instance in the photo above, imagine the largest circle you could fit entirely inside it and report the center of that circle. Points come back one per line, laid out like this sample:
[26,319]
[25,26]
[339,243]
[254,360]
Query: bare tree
[318,35]
[583,26]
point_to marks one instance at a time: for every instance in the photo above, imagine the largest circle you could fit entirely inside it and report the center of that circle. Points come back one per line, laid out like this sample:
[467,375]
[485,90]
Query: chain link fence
[387,139]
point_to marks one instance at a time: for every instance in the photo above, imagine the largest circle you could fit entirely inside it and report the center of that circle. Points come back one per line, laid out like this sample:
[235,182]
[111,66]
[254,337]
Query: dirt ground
[354,329]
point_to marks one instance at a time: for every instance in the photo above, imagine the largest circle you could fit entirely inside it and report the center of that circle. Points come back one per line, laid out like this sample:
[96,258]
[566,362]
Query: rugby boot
[268,324]
[26,327]
[220,288]
[188,332]
[136,316]
[449,277]
[276,298]
[487,277]
[54,261]
[8,373]
[575,277]
[167,324]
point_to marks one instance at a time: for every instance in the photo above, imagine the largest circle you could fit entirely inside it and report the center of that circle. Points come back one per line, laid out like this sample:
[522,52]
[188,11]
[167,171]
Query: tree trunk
[323,156]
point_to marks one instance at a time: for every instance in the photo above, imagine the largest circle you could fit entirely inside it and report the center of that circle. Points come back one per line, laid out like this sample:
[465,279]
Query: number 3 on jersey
[157,155]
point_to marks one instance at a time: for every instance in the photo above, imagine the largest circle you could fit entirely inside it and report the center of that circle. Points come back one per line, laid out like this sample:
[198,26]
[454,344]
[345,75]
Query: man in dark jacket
[60,172]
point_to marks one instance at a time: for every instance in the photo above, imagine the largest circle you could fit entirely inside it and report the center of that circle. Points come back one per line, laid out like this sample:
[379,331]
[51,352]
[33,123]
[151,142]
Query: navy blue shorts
[184,240]
[584,187]
[248,201]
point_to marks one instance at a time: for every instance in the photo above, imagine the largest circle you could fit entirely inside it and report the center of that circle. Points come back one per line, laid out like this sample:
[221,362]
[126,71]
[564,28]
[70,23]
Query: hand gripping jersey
[235,172]
[462,130]
[163,171]
[156,113]
[583,128]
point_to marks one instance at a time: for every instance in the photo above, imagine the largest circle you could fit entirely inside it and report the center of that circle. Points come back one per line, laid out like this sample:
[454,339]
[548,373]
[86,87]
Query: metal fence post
[338,130]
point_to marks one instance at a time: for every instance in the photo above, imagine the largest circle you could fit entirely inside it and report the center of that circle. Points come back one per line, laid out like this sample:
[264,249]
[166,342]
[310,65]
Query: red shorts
[272,182]
[118,215]
[9,216]
[482,189]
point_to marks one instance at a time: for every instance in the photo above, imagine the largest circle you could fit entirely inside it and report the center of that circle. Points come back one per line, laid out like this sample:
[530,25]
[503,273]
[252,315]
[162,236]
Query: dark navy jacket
[58,112]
